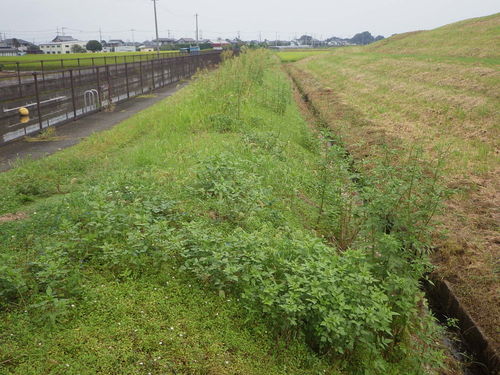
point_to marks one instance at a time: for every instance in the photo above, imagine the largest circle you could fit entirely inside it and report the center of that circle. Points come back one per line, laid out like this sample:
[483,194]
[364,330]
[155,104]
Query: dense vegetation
[216,233]
[437,90]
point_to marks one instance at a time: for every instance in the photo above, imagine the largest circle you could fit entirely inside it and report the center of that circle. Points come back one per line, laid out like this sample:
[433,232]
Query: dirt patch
[13,217]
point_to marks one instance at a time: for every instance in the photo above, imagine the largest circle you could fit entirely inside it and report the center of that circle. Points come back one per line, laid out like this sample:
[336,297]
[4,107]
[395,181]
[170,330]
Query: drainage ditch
[465,341]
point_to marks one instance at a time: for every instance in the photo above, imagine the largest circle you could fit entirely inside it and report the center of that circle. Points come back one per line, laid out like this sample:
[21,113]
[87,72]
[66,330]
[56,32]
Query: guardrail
[59,96]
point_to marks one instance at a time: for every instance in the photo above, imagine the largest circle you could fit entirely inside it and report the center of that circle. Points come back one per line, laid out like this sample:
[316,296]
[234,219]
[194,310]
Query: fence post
[109,85]
[153,74]
[140,74]
[73,99]
[37,94]
[162,72]
[126,80]
[98,87]
[19,80]
[43,73]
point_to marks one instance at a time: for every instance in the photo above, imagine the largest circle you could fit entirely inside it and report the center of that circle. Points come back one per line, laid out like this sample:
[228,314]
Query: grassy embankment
[214,233]
[32,62]
[438,90]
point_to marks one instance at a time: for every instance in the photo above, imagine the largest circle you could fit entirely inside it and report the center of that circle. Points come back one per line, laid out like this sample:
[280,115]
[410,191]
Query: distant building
[148,46]
[7,51]
[164,41]
[63,38]
[115,43]
[145,48]
[219,44]
[61,48]
[186,41]
[125,49]
[19,44]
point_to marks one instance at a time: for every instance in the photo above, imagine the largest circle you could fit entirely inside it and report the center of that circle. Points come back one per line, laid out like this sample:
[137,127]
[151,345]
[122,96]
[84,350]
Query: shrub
[297,281]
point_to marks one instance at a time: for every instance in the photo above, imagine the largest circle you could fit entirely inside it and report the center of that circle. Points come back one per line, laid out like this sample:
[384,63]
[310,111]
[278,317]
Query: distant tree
[167,47]
[306,40]
[76,48]
[15,43]
[205,45]
[363,38]
[94,46]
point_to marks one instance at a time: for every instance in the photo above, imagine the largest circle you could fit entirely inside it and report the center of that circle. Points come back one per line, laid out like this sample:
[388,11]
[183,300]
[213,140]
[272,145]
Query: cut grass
[155,318]
[439,90]
[296,55]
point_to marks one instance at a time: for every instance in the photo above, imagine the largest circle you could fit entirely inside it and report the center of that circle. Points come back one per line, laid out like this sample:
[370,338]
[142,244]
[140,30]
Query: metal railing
[96,59]
[63,95]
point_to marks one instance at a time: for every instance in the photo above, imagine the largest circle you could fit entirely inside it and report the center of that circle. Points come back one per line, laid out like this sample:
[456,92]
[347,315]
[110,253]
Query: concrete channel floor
[73,132]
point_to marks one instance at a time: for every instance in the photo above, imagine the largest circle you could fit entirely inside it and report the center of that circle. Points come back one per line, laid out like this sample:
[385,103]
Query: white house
[60,48]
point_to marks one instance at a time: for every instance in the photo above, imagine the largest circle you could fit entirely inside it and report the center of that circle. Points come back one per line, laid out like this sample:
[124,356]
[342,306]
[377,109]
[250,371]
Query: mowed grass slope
[478,37]
[439,90]
[200,237]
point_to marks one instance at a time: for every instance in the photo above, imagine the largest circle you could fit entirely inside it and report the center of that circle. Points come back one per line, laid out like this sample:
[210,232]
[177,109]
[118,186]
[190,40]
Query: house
[19,44]
[63,38]
[61,48]
[7,51]
[186,41]
[148,46]
[115,43]
[164,41]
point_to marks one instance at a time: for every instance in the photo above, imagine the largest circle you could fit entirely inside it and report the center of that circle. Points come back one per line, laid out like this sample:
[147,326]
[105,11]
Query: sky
[39,20]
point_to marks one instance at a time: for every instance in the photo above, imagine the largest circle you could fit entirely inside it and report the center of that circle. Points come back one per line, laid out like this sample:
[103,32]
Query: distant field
[296,55]
[52,62]
[439,90]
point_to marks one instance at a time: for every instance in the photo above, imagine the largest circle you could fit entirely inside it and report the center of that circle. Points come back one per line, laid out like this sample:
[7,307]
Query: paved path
[73,132]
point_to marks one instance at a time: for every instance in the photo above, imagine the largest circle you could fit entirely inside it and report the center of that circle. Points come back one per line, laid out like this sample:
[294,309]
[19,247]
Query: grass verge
[215,233]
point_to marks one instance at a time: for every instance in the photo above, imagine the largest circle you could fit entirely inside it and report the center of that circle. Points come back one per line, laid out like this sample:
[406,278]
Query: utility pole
[62,30]
[197,34]
[133,36]
[156,26]
[100,35]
